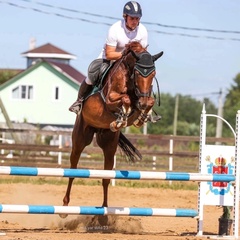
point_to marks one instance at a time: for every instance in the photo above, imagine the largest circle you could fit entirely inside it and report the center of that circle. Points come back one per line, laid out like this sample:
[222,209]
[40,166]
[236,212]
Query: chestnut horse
[124,100]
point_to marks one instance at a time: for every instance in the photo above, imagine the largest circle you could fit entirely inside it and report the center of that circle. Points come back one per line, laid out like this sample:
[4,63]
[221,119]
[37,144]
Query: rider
[121,33]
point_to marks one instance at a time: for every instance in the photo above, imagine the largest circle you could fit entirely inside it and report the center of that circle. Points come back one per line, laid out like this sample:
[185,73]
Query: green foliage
[5,75]
[226,212]
[211,128]
[177,185]
[232,104]
[193,146]
[187,129]
[140,143]
[48,139]
[157,184]
[134,130]
[189,112]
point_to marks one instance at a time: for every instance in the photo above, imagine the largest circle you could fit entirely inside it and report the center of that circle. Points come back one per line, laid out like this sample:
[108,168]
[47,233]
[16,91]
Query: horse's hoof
[124,124]
[112,127]
[63,215]
[119,125]
[137,124]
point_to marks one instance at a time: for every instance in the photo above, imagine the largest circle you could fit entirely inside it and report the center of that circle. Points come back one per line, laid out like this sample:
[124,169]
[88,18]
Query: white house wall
[43,108]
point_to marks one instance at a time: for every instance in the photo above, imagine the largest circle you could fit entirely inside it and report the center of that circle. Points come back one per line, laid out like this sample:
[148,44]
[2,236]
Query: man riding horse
[121,33]
[123,100]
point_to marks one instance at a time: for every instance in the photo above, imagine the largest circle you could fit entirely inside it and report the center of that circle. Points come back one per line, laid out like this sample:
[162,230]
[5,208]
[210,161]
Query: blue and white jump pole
[114,174]
[88,210]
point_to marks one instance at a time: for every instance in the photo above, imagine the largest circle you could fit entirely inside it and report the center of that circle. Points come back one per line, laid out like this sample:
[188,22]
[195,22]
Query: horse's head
[143,73]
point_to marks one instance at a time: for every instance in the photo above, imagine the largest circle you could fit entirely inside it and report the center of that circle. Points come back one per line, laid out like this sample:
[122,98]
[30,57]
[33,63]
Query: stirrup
[154,119]
[76,107]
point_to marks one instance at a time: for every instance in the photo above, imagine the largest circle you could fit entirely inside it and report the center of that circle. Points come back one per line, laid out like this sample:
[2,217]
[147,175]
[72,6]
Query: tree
[232,104]
[189,112]
[7,74]
[166,110]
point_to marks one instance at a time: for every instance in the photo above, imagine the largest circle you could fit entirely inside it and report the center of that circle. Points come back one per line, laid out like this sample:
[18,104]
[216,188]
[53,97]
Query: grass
[174,185]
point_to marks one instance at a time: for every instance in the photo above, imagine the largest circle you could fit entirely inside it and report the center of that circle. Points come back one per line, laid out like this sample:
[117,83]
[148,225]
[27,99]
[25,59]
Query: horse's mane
[134,46]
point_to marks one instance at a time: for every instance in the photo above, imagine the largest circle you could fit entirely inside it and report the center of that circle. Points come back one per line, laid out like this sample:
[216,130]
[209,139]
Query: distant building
[43,92]
[48,52]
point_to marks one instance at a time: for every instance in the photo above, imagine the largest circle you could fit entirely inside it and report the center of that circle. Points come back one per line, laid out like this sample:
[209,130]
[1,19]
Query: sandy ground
[52,227]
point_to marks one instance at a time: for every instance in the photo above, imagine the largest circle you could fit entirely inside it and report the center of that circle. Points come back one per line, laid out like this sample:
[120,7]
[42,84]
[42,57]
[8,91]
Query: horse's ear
[136,55]
[146,47]
[157,56]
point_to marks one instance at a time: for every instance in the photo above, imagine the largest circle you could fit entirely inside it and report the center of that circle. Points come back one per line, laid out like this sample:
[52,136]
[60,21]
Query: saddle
[100,76]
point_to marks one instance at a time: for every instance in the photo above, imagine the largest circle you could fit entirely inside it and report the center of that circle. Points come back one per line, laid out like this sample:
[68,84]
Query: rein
[159,99]
[145,66]
[137,92]
[144,69]
[101,91]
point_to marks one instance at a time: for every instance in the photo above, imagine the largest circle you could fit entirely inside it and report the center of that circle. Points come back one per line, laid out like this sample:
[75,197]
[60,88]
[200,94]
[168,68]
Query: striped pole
[115,174]
[88,210]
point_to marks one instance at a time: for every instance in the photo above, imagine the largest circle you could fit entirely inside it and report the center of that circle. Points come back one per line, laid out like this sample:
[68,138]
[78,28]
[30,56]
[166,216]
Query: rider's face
[132,22]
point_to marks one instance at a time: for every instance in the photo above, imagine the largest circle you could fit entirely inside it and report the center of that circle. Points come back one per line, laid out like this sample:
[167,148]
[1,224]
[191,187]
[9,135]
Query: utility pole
[220,113]
[175,115]
[145,128]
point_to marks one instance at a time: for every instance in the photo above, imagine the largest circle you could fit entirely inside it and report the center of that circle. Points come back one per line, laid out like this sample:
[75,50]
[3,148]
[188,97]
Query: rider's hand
[125,52]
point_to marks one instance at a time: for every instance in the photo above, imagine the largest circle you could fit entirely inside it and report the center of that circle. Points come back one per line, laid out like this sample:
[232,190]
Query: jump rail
[74,210]
[115,174]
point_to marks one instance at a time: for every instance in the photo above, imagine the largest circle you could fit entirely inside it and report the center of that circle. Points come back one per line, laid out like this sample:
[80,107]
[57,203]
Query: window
[56,97]
[23,92]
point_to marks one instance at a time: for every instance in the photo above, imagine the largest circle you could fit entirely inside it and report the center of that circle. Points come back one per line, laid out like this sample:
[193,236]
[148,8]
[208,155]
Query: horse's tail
[132,154]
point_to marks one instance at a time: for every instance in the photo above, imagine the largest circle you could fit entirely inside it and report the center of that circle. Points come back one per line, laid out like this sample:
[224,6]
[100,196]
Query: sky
[200,38]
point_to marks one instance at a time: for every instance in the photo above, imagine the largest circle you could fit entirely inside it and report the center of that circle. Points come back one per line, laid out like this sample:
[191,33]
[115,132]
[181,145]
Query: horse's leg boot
[84,90]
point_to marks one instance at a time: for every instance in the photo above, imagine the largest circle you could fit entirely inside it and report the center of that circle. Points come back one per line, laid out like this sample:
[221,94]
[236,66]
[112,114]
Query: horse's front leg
[122,119]
[81,137]
[105,184]
[145,109]
[74,158]
[126,107]
[108,165]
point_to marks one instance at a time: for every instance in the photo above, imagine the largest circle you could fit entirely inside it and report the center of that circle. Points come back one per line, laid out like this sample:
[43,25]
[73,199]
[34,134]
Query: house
[43,92]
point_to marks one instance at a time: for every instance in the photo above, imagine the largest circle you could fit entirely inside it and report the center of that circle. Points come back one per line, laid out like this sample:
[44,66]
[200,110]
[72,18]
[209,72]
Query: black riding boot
[83,91]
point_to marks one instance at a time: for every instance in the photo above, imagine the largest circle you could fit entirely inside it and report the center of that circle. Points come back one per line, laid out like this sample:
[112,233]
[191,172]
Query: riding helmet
[132,9]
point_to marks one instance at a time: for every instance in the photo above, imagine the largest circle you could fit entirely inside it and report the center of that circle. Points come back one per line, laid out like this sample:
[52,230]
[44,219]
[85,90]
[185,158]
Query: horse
[124,99]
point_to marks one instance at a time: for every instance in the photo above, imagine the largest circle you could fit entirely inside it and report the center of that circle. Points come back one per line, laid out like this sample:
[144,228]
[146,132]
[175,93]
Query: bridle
[145,66]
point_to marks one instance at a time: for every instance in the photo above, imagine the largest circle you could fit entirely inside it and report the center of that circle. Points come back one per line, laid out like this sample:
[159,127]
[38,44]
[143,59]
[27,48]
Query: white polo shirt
[118,36]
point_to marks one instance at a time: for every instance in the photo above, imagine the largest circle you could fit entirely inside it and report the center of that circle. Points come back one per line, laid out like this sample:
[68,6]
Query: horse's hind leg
[81,137]
[108,141]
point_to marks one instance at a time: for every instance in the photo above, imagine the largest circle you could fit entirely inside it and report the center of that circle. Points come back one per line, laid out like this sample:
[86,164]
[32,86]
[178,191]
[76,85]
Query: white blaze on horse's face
[144,72]
[143,90]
